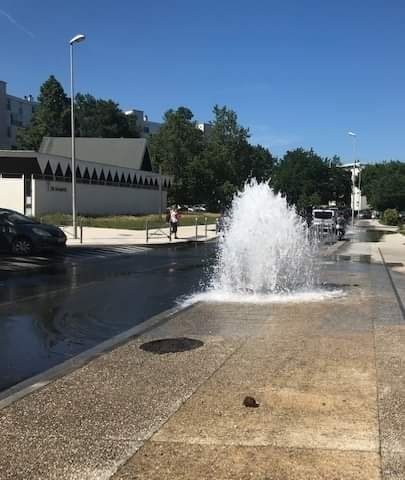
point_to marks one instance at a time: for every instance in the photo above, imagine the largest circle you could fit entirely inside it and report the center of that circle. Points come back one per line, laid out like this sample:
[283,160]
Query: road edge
[41,380]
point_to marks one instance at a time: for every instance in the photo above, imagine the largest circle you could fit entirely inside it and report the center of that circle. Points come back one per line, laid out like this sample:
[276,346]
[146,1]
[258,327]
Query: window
[323,215]
[18,218]
[8,104]
[9,132]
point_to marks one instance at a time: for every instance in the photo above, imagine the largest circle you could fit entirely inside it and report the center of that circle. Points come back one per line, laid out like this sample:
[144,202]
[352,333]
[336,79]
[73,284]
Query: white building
[15,113]
[114,176]
[205,127]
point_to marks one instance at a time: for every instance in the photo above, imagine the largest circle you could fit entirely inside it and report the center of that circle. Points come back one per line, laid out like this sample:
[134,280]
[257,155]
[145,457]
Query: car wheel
[22,246]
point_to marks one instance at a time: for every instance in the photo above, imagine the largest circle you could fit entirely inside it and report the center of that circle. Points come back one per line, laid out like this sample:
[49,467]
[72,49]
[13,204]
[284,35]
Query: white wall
[51,197]
[359,201]
[12,193]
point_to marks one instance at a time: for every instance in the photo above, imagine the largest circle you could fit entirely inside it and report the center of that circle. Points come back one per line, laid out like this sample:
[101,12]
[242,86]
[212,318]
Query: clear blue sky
[298,72]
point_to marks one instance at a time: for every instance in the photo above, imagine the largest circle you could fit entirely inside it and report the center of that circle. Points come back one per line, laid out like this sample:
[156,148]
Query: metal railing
[205,225]
[159,231]
[156,232]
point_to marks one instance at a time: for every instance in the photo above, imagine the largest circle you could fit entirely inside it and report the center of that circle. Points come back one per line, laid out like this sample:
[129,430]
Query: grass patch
[128,222]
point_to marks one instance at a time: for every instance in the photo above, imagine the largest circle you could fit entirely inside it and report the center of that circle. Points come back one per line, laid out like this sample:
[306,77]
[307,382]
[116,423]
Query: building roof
[119,152]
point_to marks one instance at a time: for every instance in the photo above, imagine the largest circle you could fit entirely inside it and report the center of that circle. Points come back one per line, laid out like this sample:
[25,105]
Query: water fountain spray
[266,248]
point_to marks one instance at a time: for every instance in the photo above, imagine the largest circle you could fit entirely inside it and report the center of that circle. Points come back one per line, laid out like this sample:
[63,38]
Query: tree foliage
[310,180]
[207,168]
[51,117]
[230,157]
[93,117]
[384,185]
[390,216]
[177,150]
[102,118]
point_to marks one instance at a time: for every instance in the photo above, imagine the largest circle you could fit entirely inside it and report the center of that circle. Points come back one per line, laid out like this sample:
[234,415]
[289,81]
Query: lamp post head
[352,134]
[78,38]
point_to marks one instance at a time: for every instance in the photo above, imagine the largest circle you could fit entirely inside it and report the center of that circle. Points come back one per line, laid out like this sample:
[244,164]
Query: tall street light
[354,136]
[77,39]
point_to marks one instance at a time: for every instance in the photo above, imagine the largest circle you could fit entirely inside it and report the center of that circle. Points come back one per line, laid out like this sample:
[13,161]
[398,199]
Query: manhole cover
[171,345]
[333,286]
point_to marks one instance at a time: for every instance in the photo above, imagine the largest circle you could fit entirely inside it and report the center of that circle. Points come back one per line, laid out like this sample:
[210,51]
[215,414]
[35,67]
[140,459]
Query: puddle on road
[370,235]
[354,258]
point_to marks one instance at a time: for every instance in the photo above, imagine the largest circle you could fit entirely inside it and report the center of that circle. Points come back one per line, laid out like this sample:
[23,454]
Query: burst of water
[266,248]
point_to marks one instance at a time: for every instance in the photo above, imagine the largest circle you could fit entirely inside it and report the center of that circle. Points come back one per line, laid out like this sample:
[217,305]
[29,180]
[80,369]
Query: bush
[390,217]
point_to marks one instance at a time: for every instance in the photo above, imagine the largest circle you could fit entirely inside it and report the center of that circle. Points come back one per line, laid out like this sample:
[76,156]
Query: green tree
[300,174]
[390,217]
[177,150]
[261,163]
[51,117]
[231,159]
[384,185]
[208,168]
[340,185]
[102,118]
[308,179]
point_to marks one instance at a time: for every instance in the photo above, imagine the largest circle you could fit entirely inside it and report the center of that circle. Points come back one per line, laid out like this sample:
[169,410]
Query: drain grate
[171,345]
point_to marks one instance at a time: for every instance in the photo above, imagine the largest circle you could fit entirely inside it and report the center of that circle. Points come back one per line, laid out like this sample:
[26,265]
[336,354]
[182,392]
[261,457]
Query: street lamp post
[354,136]
[76,39]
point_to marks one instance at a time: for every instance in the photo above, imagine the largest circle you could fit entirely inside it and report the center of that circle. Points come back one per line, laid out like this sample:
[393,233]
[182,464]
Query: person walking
[174,221]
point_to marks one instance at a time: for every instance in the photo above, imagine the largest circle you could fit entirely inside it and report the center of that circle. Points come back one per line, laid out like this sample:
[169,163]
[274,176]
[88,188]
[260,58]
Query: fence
[163,230]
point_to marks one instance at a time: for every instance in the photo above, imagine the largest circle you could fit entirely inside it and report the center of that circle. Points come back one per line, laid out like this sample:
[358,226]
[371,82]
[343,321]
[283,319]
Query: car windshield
[323,215]
[15,217]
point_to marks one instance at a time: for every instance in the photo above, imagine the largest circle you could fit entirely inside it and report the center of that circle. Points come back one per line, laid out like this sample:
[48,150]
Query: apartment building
[15,113]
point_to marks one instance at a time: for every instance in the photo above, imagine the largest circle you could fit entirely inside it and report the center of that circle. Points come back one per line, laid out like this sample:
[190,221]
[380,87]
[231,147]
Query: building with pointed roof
[114,176]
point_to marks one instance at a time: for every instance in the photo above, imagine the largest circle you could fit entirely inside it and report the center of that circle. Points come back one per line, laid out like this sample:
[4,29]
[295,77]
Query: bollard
[206,227]
[81,233]
[147,231]
[196,228]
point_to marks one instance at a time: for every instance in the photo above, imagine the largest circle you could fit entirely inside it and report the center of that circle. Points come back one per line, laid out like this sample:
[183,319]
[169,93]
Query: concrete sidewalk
[113,236]
[328,376]
[391,245]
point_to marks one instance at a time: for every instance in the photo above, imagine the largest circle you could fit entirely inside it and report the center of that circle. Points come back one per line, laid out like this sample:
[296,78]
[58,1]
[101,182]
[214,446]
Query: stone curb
[32,384]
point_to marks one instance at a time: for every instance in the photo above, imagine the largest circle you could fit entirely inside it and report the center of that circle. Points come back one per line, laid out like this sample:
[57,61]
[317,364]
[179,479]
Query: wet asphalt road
[52,309]
[52,314]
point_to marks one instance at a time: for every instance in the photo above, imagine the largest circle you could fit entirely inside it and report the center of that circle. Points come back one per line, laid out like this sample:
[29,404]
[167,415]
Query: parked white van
[325,217]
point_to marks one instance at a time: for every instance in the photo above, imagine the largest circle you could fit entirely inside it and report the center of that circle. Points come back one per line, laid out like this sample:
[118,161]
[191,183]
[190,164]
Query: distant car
[199,208]
[375,214]
[22,235]
[365,214]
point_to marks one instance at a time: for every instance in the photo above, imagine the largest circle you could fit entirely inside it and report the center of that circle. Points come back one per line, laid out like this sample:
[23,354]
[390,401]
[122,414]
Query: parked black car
[22,235]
